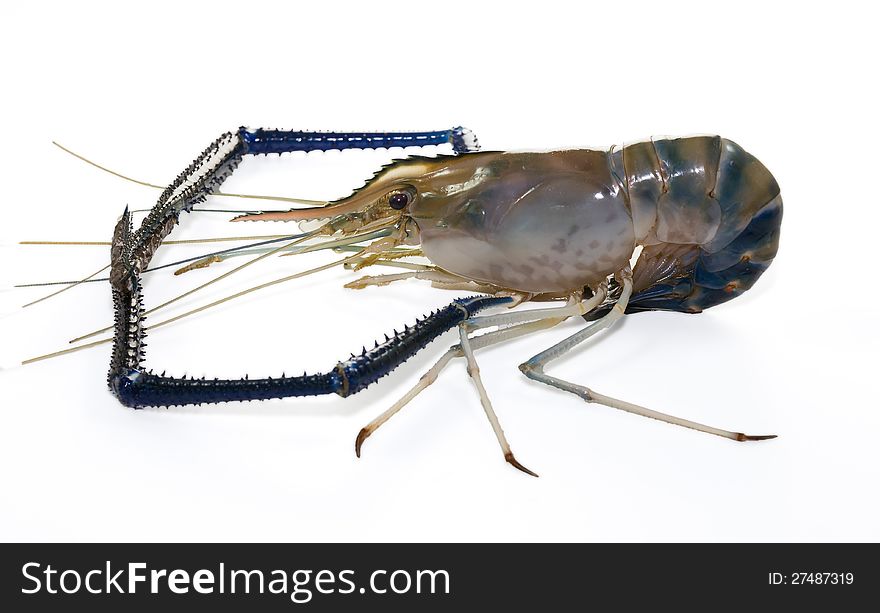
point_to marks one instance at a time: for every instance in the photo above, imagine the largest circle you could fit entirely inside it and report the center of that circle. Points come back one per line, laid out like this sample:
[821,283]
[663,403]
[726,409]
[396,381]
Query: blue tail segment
[725,274]
[721,276]
[710,279]
[263,141]
[136,388]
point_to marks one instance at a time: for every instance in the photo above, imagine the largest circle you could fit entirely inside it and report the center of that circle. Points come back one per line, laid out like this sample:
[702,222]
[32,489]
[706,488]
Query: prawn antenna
[304,201]
[275,238]
[64,289]
[200,309]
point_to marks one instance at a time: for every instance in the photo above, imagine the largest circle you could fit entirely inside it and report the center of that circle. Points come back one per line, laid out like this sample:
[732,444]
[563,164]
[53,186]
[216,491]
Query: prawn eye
[399,200]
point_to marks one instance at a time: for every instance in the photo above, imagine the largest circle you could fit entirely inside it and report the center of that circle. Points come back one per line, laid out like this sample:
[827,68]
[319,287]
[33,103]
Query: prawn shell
[533,222]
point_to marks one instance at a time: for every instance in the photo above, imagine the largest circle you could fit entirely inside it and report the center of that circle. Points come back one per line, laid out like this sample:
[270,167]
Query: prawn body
[705,212]
[516,227]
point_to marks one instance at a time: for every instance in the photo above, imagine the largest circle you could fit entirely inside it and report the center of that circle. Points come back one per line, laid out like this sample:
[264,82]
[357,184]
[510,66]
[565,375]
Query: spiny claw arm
[267,141]
[136,388]
[132,251]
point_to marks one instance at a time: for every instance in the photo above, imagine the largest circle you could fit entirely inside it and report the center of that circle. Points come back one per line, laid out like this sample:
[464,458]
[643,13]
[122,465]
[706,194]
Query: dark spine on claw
[373,364]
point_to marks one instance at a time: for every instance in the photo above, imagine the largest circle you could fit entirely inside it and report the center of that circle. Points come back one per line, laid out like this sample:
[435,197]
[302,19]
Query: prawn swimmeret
[511,227]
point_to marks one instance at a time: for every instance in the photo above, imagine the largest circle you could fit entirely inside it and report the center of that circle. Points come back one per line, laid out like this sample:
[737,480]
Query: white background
[143,91]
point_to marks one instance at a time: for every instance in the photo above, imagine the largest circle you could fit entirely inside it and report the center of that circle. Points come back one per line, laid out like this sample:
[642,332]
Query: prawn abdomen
[708,215]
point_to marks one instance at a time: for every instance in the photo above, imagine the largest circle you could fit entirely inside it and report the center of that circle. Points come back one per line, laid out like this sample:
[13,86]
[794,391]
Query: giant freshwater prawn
[560,227]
